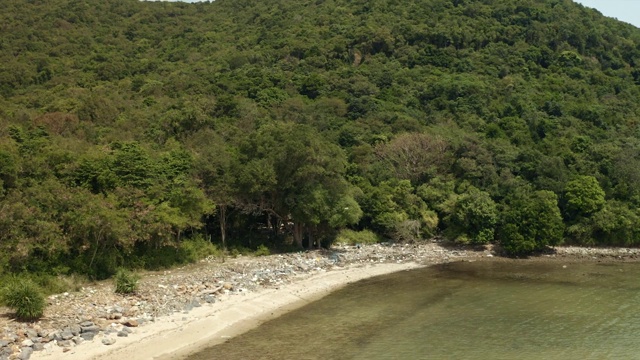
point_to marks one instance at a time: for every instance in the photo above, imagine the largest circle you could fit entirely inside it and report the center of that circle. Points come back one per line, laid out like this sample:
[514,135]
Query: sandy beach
[181,311]
[181,334]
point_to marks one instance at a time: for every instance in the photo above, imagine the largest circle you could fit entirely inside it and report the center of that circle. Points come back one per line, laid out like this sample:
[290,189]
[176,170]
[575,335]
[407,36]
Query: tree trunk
[310,232]
[223,225]
[298,231]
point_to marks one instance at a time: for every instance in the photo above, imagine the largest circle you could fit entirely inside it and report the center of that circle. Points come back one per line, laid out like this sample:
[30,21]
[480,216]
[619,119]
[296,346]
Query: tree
[473,219]
[296,176]
[416,157]
[583,196]
[529,222]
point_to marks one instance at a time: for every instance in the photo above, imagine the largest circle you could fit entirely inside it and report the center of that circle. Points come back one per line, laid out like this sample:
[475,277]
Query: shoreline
[184,310]
[181,335]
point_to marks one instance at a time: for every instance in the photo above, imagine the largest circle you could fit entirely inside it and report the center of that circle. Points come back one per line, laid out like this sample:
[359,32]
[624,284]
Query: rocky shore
[100,317]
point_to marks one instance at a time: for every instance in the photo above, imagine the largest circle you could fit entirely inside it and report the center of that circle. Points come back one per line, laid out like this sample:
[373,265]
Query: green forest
[144,134]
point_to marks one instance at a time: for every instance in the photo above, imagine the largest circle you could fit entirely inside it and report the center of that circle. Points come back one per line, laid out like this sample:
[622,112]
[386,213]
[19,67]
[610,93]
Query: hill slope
[129,128]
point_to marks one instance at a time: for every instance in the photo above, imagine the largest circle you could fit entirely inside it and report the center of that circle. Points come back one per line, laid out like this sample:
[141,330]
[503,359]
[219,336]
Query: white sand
[177,336]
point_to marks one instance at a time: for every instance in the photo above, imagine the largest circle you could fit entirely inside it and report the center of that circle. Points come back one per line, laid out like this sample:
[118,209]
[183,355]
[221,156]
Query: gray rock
[86,323]
[4,343]
[209,299]
[27,343]
[78,340]
[127,330]
[75,330]
[25,354]
[66,334]
[88,335]
[38,346]
[30,333]
[109,341]
[123,333]
[90,329]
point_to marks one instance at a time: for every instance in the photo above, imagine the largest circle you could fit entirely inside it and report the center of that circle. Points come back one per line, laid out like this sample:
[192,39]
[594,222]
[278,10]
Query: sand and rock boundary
[180,311]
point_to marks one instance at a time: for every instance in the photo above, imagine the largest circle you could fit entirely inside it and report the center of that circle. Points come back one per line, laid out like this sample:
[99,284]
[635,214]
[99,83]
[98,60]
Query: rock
[31,333]
[4,343]
[118,309]
[133,310]
[123,333]
[90,329]
[78,340]
[75,330]
[86,323]
[130,323]
[109,341]
[27,343]
[66,334]
[209,299]
[64,343]
[38,346]
[127,330]
[88,335]
[25,354]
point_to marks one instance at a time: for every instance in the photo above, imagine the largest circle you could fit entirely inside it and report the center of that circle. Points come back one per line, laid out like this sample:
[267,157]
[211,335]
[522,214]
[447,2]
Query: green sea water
[465,310]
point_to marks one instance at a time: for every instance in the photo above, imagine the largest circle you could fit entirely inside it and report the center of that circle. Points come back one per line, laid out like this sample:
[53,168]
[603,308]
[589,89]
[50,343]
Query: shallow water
[464,310]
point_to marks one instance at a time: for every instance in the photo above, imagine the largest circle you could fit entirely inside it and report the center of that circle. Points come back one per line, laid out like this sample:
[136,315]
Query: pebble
[109,341]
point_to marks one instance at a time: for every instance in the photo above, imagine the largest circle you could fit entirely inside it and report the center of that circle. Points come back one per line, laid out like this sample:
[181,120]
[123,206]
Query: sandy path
[178,335]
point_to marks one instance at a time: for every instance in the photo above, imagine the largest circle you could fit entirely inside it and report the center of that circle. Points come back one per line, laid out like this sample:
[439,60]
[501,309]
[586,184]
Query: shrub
[50,284]
[262,251]
[407,231]
[25,298]
[126,282]
[351,237]
[195,249]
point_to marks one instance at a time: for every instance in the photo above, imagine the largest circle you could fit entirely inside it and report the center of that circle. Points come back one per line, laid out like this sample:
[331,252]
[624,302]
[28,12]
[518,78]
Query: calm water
[478,310]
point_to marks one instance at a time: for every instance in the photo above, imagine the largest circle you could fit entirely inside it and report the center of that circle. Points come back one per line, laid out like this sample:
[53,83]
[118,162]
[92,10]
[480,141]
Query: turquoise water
[465,310]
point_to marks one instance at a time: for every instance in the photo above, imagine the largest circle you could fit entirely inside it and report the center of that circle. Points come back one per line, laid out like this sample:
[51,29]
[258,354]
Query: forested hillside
[135,133]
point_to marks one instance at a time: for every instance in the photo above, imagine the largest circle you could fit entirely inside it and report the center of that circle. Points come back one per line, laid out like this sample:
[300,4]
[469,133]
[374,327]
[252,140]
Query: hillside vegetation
[138,133]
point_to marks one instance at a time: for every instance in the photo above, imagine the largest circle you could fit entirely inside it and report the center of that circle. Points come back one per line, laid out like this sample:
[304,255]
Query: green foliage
[24,297]
[262,251]
[129,129]
[583,196]
[352,237]
[125,282]
[530,222]
[473,219]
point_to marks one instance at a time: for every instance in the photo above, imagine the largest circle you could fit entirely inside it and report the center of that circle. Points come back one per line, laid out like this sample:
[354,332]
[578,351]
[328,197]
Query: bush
[193,250]
[126,282]
[262,251]
[25,298]
[351,237]
[51,284]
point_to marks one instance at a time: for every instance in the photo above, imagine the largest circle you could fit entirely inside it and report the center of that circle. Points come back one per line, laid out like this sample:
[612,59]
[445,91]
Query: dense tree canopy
[128,128]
